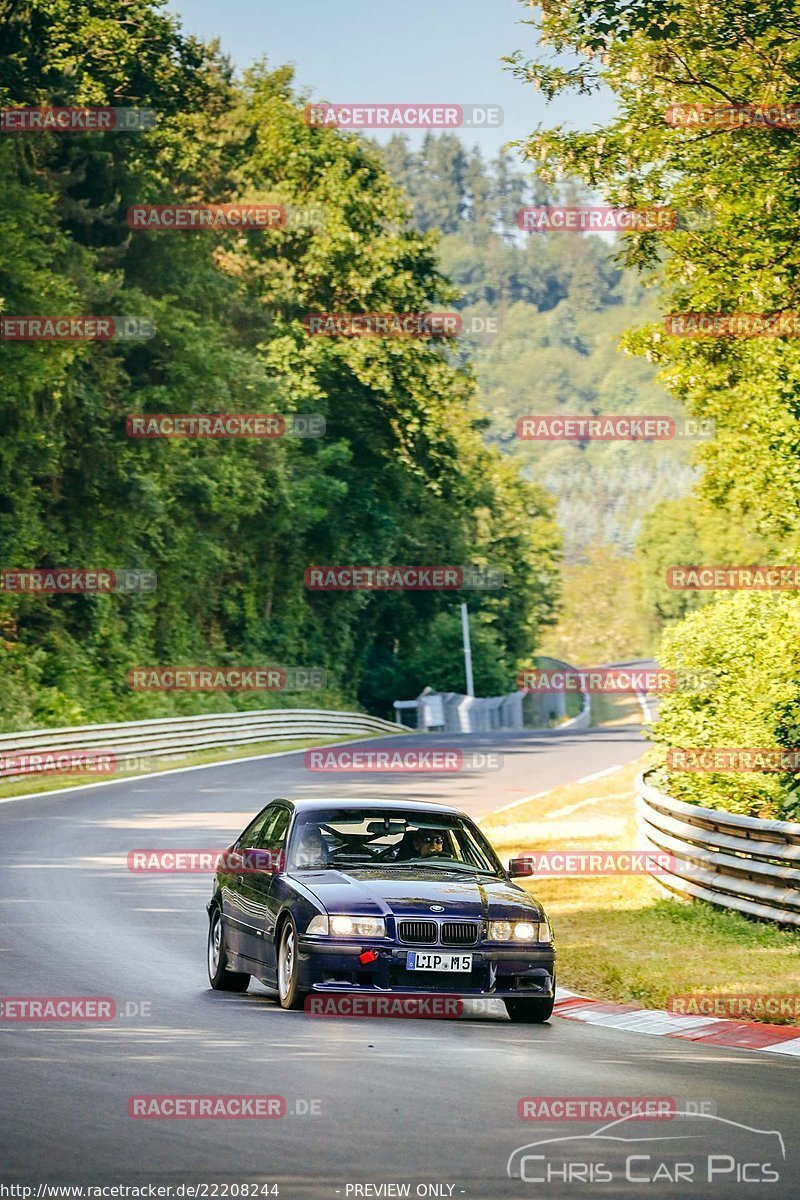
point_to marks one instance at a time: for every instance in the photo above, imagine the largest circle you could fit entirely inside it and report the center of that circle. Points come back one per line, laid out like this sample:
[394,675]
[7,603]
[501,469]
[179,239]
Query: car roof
[310,803]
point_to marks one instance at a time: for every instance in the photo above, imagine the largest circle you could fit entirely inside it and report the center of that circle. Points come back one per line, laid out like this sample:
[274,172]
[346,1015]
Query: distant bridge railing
[454,712]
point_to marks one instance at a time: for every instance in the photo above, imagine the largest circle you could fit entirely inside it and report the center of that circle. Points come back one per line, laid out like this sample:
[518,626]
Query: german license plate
[436,961]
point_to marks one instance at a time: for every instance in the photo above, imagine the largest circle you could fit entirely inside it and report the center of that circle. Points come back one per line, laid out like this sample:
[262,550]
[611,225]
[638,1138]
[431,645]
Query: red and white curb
[717,1031]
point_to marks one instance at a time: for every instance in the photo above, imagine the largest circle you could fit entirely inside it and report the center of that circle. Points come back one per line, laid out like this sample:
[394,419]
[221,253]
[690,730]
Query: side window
[274,834]
[256,829]
[273,839]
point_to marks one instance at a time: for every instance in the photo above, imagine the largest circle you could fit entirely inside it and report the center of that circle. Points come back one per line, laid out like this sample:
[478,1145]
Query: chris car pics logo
[698,1154]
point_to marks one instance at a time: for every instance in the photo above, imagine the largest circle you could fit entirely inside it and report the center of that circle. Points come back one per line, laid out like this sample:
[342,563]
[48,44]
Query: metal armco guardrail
[736,862]
[179,735]
[455,712]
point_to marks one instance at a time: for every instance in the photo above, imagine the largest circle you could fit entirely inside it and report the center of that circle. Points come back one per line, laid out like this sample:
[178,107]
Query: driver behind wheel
[311,849]
[428,844]
[422,843]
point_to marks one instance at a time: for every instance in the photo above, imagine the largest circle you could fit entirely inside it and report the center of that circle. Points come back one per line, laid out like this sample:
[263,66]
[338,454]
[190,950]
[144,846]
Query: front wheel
[289,991]
[530,1012]
[220,978]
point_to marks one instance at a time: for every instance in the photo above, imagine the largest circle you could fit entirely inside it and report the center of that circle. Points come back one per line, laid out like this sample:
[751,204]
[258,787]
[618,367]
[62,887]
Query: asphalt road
[369,1102]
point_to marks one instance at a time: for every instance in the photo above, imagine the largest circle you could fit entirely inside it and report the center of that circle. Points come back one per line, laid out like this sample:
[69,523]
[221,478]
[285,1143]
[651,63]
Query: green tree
[734,251]
[689,532]
[602,617]
[735,248]
[228,526]
[738,662]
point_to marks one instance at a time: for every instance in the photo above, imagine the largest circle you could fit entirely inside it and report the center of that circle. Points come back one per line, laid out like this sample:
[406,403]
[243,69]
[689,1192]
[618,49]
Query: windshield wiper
[353,861]
[410,864]
[472,871]
[451,868]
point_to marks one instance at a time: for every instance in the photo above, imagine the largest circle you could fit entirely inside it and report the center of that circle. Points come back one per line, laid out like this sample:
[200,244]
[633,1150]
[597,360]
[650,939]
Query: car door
[233,883]
[274,890]
[260,862]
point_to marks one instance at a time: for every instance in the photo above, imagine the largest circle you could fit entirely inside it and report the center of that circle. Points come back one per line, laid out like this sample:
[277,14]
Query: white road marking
[571,808]
[522,800]
[538,795]
[600,774]
[789,1047]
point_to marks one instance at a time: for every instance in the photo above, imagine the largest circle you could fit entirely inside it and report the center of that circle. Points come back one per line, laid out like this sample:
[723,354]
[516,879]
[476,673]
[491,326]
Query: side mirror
[520,866]
[257,861]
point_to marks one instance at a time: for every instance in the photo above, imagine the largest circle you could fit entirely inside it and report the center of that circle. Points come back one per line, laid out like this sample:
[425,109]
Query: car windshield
[396,840]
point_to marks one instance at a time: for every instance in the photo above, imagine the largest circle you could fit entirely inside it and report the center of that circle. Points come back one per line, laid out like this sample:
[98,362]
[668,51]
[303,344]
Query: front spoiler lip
[541,952]
[337,989]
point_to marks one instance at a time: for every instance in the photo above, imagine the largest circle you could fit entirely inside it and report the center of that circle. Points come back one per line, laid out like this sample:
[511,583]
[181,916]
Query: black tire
[220,978]
[289,993]
[530,1012]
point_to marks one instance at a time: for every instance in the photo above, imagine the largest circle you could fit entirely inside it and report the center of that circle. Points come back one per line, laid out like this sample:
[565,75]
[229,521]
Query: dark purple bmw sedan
[377,897]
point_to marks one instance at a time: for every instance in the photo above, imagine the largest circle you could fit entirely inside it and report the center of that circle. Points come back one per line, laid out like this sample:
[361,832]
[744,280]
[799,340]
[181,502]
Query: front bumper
[327,965]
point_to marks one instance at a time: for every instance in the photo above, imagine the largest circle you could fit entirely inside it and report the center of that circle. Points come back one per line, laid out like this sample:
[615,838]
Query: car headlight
[520,931]
[340,926]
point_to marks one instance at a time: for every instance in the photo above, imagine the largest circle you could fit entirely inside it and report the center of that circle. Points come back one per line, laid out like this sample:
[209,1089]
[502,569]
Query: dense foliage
[229,527]
[561,303]
[742,256]
[735,253]
[750,647]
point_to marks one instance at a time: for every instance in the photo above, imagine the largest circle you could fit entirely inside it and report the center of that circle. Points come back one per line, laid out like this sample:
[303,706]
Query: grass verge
[618,708]
[48,783]
[620,937]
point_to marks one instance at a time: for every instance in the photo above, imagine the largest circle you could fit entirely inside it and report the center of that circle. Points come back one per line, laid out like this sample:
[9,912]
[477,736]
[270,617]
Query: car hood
[412,892]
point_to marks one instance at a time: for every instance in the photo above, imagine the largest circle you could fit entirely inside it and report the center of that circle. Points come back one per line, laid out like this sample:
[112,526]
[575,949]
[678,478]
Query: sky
[409,51]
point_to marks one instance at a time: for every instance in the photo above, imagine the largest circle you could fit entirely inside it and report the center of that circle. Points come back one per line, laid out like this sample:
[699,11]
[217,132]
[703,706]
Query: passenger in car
[312,852]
